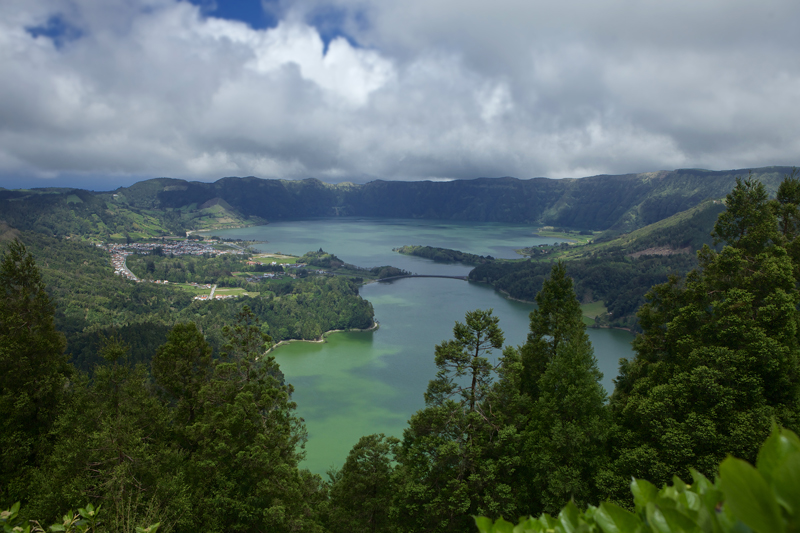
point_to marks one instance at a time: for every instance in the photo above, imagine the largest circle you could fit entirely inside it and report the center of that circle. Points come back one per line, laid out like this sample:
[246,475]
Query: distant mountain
[613,204]
[619,204]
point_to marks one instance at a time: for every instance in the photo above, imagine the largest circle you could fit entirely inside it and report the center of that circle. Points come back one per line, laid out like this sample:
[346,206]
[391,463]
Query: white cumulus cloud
[118,90]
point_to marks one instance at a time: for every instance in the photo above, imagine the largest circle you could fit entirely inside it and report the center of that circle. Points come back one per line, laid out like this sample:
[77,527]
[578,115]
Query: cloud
[121,90]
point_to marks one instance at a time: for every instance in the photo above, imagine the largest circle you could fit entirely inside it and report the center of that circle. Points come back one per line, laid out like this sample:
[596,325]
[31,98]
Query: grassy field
[195,291]
[567,236]
[278,258]
[234,291]
[591,310]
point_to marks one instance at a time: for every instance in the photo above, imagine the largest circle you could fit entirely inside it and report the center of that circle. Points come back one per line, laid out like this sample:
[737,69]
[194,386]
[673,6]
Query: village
[207,248]
[120,252]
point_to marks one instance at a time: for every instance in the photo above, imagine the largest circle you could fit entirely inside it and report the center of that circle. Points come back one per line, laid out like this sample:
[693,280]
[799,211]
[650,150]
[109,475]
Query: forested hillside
[618,271]
[617,204]
[91,302]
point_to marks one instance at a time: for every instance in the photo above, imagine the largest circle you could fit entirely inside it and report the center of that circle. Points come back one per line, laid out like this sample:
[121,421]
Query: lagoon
[358,383]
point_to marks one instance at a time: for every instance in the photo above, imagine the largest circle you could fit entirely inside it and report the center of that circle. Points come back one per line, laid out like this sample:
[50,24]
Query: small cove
[358,383]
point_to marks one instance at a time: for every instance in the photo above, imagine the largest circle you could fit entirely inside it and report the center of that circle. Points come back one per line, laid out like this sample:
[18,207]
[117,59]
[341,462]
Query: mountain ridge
[619,203]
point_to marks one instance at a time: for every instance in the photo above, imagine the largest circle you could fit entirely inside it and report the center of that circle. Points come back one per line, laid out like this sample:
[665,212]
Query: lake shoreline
[508,296]
[322,338]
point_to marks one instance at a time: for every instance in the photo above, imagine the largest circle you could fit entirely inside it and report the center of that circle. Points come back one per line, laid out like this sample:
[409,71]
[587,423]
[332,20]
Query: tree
[113,445]
[181,367]
[448,461]
[564,443]
[361,493]
[718,358]
[247,441]
[556,321]
[465,356]
[33,370]
[564,435]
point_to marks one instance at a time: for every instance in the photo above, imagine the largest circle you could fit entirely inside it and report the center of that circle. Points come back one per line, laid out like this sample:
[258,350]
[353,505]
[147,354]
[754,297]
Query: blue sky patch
[329,22]
[58,29]
[251,12]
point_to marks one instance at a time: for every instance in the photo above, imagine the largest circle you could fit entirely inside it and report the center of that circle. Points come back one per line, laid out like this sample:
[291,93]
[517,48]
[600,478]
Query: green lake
[360,383]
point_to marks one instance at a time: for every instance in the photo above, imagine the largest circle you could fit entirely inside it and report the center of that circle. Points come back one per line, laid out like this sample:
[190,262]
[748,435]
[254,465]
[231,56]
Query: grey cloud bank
[145,88]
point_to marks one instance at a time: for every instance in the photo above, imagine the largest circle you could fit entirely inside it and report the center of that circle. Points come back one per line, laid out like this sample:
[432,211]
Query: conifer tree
[556,321]
[181,367]
[718,359]
[33,370]
[448,464]
[362,492]
[247,441]
[564,434]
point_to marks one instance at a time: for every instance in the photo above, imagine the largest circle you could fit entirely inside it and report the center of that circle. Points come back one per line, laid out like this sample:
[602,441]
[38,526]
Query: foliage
[34,370]
[556,321]
[444,255]
[718,358]
[383,272]
[763,499]
[91,302]
[361,493]
[190,269]
[561,416]
[449,460]
[465,355]
[246,441]
[619,281]
[320,258]
[86,520]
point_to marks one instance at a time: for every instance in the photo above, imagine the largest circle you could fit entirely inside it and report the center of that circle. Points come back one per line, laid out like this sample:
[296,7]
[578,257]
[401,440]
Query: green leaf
[614,519]
[568,517]
[786,484]
[678,521]
[501,526]
[655,518]
[749,497]
[701,482]
[483,523]
[774,452]
[528,524]
[643,493]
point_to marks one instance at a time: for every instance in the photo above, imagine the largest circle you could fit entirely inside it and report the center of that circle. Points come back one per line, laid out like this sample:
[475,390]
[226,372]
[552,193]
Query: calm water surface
[356,384]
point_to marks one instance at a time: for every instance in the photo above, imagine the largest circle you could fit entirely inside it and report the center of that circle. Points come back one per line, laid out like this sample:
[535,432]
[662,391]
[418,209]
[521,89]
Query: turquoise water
[368,242]
[356,384]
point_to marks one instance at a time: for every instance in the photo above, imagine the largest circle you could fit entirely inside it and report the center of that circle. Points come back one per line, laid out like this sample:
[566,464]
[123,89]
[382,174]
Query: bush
[743,498]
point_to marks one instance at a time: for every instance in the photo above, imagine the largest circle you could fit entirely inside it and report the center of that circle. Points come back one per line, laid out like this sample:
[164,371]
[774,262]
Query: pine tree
[564,434]
[556,321]
[448,464]
[362,492]
[181,367]
[247,441]
[33,370]
[464,356]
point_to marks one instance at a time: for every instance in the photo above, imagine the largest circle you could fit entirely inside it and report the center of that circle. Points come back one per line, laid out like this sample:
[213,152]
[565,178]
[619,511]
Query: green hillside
[613,204]
[618,271]
[616,204]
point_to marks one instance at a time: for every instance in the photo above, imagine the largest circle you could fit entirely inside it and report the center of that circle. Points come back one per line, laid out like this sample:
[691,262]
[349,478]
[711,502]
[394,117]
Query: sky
[103,93]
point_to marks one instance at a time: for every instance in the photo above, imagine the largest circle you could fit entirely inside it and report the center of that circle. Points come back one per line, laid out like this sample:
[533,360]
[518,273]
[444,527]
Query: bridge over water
[464,278]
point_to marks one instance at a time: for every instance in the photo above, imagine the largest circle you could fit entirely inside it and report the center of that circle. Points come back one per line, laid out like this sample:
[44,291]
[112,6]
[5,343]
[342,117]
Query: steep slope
[618,204]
